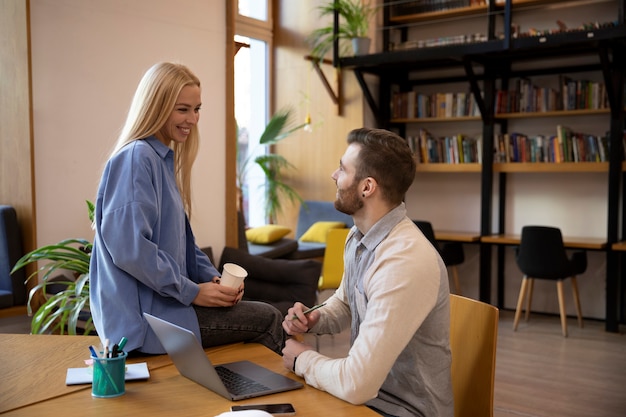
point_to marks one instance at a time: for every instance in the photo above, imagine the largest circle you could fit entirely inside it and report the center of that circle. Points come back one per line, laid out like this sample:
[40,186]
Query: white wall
[87,59]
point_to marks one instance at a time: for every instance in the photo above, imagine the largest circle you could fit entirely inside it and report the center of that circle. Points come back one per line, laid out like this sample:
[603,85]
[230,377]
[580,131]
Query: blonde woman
[144,255]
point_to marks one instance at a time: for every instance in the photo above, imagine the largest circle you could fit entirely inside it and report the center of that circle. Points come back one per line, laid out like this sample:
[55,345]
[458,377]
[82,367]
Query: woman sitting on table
[144,257]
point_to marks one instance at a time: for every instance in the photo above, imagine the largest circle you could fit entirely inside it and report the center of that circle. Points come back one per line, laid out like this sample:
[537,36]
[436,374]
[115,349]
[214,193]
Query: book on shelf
[564,146]
[414,105]
[402,8]
[457,149]
[525,97]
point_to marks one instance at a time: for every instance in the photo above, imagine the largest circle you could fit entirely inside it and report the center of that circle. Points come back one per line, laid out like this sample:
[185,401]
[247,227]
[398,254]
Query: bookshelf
[421,51]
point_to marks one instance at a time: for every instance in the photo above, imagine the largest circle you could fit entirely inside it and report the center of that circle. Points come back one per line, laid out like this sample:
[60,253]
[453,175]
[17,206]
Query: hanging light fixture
[308,127]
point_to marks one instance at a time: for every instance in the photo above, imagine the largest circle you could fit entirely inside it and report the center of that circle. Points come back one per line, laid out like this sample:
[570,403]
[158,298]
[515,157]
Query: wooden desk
[591,243]
[166,393]
[463,237]
[619,246]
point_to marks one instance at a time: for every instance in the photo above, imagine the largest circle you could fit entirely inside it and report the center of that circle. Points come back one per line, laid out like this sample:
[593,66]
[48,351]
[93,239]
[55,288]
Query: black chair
[542,255]
[451,252]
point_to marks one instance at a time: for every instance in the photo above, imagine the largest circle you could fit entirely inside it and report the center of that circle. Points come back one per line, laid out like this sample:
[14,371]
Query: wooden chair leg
[577,302]
[559,289]
[529,297]
[520,302]
[455,277]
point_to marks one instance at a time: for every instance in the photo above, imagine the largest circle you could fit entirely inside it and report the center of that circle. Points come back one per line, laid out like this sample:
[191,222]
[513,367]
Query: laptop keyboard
[238,384]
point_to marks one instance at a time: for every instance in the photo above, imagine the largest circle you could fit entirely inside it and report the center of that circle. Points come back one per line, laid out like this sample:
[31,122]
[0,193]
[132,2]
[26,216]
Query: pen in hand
[294,317]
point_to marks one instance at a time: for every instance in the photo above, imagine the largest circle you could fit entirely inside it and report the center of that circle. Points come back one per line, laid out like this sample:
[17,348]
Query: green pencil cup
[109,376]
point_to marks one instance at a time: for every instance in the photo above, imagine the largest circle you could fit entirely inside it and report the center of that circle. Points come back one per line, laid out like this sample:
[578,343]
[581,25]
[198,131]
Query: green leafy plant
[354,19]
[273,165]
[62,311]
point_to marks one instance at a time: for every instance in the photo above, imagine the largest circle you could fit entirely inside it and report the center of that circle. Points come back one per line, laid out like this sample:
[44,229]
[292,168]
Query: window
[252,107]
[254,9]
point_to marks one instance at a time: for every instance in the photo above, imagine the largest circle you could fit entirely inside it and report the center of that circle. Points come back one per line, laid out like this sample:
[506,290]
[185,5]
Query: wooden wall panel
[16,168]
[315,155]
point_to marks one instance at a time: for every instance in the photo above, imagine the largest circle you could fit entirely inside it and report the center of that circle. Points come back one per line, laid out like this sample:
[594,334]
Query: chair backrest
[542,254]
[332,266]
[428,231]
[473,339]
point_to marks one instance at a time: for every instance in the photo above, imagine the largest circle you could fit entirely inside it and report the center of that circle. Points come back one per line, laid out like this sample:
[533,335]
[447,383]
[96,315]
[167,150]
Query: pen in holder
[109,376]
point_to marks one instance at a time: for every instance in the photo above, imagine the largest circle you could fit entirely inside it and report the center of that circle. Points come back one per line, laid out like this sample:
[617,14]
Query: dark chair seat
[542,255]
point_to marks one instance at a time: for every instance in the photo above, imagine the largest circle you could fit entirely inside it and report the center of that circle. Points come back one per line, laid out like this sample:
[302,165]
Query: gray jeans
[248,321]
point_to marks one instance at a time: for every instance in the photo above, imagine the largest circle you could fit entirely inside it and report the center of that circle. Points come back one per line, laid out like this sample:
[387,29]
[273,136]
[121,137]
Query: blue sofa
[310,212]
[313,211]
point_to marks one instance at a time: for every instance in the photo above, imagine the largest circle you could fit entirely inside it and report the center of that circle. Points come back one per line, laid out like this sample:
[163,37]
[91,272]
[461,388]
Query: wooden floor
[538,371]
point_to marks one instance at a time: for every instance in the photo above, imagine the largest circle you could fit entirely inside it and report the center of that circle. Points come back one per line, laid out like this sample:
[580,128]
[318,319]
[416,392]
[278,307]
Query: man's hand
[302,322]
[292,350]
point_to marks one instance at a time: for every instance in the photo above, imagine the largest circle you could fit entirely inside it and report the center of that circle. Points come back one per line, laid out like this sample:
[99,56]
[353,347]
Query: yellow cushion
[318,231]
[269,233]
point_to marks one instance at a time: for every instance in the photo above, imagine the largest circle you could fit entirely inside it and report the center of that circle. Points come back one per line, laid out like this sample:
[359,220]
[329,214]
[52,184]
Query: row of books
[409,105]
[425,6]
[525,97]
[570,95]
[457,149]
[564,146]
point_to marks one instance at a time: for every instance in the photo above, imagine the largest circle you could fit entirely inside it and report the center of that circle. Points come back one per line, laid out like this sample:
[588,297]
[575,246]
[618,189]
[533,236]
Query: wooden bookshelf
[551,167]
[437,119]
[557,113]
[446,167]
[440,14]
[466,11]
[489,66]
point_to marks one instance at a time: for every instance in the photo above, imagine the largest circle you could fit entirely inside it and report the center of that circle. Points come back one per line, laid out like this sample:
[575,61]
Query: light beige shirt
[396,285]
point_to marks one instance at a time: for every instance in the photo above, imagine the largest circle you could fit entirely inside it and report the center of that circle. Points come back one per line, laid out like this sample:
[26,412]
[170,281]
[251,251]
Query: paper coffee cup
[233,275]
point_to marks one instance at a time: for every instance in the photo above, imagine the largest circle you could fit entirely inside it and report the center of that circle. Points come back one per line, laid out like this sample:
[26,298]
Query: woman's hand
[212,294]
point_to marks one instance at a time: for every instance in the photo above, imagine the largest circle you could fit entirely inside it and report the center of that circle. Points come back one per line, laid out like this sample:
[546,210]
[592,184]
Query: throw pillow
[318,231]
[264,235]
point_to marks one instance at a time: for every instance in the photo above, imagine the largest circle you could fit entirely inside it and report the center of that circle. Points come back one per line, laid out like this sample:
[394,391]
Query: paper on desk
[84,375]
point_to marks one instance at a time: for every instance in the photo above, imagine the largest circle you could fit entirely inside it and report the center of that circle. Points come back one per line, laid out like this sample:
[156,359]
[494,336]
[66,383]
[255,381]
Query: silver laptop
[234,381]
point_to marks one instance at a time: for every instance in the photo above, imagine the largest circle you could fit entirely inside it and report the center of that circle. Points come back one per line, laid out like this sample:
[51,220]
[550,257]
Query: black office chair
[451,252]
[542,255]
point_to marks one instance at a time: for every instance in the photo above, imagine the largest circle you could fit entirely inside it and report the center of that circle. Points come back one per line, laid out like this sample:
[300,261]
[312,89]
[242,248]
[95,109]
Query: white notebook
[76,376]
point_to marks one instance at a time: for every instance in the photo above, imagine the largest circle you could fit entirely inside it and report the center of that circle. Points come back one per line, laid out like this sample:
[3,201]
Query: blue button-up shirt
[144,255]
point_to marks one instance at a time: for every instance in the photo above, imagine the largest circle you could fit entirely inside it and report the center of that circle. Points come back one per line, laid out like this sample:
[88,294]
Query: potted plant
[354,19]
[273,165]
[67,307]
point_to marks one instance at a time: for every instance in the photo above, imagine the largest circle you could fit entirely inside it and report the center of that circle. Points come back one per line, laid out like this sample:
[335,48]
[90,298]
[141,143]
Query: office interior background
[69,69]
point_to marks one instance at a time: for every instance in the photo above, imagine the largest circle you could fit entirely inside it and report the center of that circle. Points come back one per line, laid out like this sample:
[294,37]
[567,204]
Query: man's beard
[348,200]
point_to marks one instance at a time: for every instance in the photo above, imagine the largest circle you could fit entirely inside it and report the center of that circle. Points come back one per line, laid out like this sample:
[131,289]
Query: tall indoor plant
[273,165]
[67,306]
[354,19]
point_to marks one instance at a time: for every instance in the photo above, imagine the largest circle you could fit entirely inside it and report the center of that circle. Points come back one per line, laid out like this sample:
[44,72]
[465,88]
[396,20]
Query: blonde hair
[152,105]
